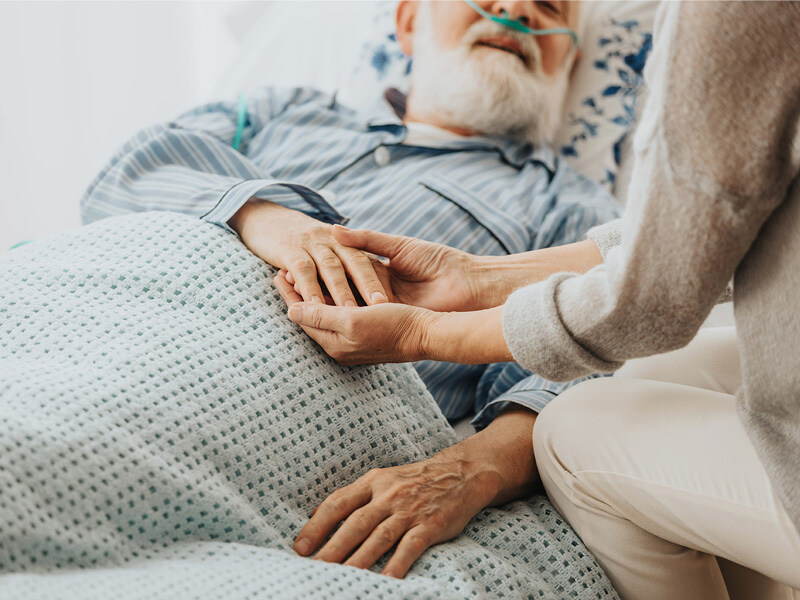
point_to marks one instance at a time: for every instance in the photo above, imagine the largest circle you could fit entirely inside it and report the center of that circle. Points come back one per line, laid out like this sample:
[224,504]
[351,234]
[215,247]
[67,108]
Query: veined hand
[393,332]
[288,239]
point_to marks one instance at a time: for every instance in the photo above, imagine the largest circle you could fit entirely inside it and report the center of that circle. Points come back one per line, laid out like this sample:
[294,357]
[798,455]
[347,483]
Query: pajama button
[382,156]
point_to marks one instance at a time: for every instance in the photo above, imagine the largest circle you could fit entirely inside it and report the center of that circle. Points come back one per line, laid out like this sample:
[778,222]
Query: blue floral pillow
[600,108]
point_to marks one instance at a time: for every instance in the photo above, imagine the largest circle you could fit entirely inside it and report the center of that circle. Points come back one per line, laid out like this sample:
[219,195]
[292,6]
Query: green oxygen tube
[505,20]
[241,118]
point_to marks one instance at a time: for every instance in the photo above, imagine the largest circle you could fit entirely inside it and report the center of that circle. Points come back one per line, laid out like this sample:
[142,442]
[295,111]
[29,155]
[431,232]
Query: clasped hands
[429,301]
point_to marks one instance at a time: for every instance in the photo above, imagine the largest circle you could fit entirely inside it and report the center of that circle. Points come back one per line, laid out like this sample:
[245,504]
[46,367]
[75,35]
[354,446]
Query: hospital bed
[189,481]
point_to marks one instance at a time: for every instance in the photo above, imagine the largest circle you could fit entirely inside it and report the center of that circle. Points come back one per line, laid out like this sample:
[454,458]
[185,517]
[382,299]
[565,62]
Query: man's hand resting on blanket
[288,239]
[418,505]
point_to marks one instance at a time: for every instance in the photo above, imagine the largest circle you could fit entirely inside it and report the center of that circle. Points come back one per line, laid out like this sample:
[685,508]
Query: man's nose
[517,10]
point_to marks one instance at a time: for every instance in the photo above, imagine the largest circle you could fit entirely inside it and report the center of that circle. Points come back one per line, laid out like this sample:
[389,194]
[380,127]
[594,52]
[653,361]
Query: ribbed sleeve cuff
[606,236]
[538,339]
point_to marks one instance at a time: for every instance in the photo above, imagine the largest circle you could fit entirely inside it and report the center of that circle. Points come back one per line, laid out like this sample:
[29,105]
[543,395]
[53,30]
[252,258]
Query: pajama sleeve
[189,165]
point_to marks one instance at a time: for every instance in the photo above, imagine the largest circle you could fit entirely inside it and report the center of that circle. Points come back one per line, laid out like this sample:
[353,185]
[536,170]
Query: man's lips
[504,43]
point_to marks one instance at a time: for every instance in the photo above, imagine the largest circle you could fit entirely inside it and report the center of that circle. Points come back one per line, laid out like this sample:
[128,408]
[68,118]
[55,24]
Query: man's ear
[405,19]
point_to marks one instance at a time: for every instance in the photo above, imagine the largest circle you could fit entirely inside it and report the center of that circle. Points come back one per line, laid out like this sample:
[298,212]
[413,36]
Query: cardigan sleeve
[714,157]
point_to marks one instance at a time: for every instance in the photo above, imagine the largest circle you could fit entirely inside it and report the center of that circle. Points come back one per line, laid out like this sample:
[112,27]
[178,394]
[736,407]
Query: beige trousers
[656,474]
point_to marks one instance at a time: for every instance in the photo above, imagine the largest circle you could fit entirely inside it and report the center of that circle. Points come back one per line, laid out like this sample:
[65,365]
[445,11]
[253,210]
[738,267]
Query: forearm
[501,455]
[474,337]
[255,213]
[499,276]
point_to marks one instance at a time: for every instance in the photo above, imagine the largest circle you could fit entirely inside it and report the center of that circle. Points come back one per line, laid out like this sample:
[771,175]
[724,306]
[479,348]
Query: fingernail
[302,546]
[295,313]
[349,303]
[316,300]
[378,297]
[342,227]
[389,574]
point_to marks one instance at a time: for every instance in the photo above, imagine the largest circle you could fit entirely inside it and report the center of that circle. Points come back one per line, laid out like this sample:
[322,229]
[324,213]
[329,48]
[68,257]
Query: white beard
[483,90]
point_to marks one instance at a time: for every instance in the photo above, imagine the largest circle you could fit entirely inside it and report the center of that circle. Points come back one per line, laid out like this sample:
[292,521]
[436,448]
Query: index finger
[335,509]
[383,244]
[361,270]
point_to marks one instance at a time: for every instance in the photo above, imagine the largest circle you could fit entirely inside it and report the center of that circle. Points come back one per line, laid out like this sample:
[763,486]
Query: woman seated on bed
[658,477]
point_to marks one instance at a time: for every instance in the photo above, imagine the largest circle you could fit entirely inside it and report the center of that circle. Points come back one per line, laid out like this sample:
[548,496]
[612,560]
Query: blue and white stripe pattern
[302,149]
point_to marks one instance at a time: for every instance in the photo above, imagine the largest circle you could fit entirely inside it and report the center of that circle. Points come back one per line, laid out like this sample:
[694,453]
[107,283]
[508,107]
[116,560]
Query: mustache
[485,29]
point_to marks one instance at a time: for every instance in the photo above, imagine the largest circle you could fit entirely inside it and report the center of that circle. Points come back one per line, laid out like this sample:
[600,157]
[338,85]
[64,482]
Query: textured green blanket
[165,431]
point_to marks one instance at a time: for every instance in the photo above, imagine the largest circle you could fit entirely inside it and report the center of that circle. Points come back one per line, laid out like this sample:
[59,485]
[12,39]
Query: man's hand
[288,239]
[418,505]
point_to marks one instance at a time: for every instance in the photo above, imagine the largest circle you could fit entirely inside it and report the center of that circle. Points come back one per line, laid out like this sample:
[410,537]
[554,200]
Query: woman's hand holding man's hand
[425,278]
[288,239]
[393,332]
[421,273]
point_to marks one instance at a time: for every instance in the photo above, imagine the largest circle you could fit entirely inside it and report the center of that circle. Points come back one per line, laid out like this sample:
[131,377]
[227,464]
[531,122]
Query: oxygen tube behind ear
[505,20]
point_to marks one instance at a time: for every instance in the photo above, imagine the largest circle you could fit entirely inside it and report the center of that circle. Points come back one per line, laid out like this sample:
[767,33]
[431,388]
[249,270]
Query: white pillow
[615,40]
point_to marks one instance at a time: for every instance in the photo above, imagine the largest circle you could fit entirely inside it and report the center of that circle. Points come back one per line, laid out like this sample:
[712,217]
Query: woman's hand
[441,278]
[387,332]
[418,505]
[423,274]
[288,239]
[393,332]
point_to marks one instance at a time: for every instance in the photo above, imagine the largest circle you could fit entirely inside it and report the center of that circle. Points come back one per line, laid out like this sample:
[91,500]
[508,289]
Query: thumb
[316,315]
[382,244]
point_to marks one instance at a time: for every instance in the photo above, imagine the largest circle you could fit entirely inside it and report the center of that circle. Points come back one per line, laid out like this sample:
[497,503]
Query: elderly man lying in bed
[467,165]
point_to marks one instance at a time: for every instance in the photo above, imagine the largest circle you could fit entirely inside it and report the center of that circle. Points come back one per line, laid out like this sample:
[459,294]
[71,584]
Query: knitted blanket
[165,430]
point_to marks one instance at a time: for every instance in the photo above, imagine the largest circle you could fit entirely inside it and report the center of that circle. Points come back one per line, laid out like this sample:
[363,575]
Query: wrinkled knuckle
[302,264]
[418,541]
[316,319]
[329,260]
[334,503]
[359,258]
[372,474]
[361,520]
[438,521]
[385,536]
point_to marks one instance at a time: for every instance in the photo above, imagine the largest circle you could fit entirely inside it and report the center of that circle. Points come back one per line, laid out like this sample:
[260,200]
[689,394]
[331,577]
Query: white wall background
[77,79]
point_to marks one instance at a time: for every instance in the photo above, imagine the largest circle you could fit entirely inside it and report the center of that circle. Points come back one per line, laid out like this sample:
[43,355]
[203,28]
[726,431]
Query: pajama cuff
[534,400]
[304,199]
